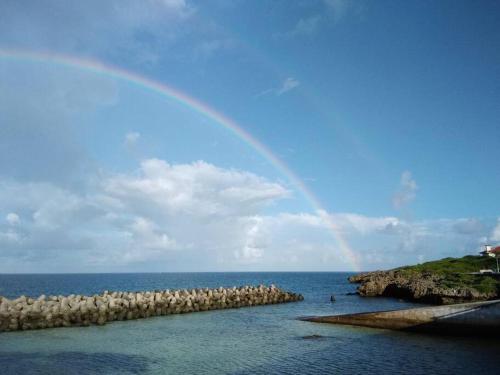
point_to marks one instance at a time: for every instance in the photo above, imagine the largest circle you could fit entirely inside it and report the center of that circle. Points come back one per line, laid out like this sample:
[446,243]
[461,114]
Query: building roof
[495,250]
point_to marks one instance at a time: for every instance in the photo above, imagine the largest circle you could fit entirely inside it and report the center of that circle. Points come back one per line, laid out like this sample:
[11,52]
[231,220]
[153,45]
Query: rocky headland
[25,313]
[446,281]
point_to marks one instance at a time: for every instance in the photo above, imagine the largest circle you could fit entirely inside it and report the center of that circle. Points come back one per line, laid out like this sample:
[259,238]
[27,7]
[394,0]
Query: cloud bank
[200,217]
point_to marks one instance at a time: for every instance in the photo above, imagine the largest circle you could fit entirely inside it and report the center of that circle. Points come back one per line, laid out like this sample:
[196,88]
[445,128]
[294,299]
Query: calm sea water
[255,340]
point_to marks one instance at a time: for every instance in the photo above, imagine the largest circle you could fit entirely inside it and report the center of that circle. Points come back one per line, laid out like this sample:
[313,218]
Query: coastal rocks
[424,287]
[26,313]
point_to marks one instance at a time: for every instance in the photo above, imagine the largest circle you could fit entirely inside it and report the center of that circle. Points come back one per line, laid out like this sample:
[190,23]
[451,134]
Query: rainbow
[195,105]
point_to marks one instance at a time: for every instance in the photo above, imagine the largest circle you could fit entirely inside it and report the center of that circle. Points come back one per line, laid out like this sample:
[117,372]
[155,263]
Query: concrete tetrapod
[26,313]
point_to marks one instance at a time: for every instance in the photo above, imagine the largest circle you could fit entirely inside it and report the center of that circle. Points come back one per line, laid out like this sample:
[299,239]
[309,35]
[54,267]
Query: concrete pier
[26,313]
[477,318]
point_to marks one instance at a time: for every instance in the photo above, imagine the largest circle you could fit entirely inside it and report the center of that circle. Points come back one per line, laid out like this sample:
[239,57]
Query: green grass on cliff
[456,272]
[469,263]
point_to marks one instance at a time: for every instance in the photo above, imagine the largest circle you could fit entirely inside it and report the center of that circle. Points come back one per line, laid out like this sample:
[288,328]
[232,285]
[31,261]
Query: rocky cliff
[446,281]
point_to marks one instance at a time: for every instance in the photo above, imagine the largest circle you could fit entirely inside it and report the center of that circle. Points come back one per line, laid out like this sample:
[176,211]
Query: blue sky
[387,111]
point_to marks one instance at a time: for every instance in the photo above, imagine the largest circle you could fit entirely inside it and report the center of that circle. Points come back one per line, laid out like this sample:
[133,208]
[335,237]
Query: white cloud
[12,218]
[131,139]
[138,30]
[407,191]
[378,242]
[255,242]
[346,223]
[495,234]
[288,84]
[329,12]
[132,218]
[365,225]
[199,189]
[146,241]
[201,217]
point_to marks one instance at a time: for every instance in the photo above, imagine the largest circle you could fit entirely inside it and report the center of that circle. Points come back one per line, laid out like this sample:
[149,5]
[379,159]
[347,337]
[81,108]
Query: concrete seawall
[26,313]
[477,318]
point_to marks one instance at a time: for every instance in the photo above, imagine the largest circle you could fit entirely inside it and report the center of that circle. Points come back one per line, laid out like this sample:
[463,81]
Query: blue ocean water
[254,340]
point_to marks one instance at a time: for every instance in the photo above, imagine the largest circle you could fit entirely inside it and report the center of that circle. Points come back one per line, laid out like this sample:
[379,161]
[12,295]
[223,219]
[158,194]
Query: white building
[491,251]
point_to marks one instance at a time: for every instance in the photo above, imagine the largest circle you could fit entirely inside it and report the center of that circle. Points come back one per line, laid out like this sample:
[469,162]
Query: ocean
[254,340]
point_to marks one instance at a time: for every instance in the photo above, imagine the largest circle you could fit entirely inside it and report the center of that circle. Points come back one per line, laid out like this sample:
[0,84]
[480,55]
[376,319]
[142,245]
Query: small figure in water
[332,298]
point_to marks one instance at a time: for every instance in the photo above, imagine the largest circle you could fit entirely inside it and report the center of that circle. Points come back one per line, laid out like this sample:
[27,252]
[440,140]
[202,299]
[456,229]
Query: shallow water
[255,340]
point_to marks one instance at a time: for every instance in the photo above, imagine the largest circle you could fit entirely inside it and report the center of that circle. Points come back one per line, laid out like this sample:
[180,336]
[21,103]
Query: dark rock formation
[426,287]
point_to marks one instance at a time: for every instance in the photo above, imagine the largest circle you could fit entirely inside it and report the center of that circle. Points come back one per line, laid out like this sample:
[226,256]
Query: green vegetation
[455,272]
[469,263]
[481,283]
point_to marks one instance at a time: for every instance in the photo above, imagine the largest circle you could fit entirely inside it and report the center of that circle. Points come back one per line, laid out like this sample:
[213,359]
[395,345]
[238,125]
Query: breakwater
[25,313]
[476,318]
